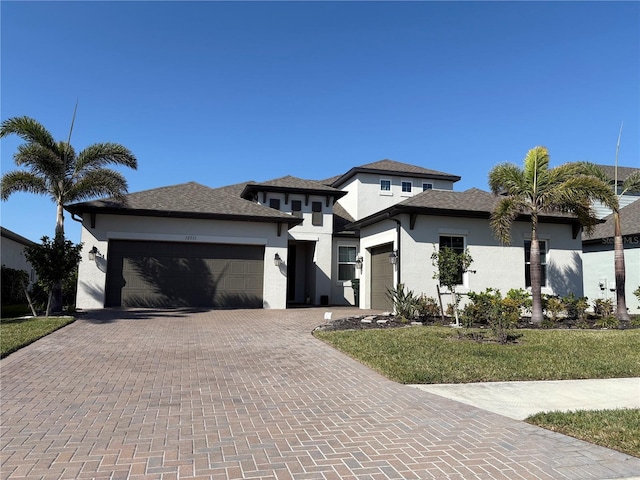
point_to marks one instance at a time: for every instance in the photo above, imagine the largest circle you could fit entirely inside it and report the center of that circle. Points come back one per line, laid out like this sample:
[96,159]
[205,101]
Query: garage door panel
[165,274]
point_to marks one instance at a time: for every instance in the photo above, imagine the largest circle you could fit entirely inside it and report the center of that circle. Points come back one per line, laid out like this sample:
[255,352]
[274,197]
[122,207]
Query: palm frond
[502,217]
[29,130]
[100,154]
[21,181]
[102,182]
[536,166]
[506,178]
[632,183]
[39,159]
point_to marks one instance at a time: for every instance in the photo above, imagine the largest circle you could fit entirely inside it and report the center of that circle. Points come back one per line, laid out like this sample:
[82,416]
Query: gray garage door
[381,277]
[167,274]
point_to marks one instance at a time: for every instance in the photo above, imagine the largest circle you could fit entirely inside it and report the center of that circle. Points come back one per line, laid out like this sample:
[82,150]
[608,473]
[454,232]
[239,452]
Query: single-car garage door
[171,274]
[381,277]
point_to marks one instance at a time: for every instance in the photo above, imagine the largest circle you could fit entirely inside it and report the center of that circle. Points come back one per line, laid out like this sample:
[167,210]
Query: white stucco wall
[92,275]
[13,257]
[496,266]
[365,197]
[599,267]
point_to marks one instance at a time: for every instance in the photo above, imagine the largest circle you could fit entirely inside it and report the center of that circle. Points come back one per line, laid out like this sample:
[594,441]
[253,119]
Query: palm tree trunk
[620,273]
[537,315]
[56,288]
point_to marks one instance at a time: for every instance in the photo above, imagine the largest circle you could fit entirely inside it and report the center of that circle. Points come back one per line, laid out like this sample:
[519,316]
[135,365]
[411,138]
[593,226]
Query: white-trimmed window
[346,263]
[427,186]
[456,243]
[385,185]
[407,186]
[543,262]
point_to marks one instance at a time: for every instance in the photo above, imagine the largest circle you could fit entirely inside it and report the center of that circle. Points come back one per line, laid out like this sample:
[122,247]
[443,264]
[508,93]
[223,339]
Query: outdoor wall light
[359,262]
[277,260]
[393,258]
[92,253]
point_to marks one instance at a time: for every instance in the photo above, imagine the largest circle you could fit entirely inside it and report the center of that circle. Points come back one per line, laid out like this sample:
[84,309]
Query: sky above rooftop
[225,92]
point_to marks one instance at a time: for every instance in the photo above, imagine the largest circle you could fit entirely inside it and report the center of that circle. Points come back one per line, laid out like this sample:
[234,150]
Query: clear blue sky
[221,92]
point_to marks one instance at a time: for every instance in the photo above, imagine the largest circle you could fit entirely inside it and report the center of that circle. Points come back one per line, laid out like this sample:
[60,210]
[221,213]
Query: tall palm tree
[53,169]
[630,184]
[537,189]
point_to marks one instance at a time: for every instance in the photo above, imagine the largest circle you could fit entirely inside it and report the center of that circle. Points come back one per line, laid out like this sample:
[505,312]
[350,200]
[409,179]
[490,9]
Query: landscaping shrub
[488,307]
[12,286]
[405,304]
[607,322]
[602,307]
[576,307]
[427,307]
[553,307]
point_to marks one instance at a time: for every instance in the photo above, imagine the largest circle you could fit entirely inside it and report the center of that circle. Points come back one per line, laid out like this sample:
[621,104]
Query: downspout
[398,255]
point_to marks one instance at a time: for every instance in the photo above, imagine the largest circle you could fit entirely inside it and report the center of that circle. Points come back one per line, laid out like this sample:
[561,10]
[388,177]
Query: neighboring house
[598,263]
[292,241]
[620,176]
[12,248]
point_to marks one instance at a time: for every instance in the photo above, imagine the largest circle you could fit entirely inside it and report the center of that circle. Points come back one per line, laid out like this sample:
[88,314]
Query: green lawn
[16,333]
[438,355]
[617,429]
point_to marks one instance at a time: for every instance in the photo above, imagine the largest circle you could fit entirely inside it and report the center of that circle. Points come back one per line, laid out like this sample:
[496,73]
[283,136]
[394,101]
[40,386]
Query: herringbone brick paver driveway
[250,394]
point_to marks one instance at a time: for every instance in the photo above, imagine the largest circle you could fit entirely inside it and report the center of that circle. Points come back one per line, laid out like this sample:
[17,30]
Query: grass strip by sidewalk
[616,429]
[415,355]
[18,332]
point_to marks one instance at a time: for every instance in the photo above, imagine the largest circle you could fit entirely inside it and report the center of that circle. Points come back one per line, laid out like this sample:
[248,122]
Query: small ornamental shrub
[405,304]
[576,307]
[522,297]
[428,307]
[607,322]
[603,307]
[636,292]
[553,307]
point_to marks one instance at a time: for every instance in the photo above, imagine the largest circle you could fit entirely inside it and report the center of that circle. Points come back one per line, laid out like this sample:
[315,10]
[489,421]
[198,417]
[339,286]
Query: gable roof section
[391,167]
[291,184]
[629,223]
[186,200]
[471,203]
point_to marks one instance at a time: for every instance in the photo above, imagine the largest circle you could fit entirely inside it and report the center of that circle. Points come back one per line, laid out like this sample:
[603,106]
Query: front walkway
[250,394]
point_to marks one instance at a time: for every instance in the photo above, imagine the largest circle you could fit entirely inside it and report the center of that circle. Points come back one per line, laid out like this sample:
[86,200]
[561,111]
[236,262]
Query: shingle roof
[341,219]
[629,223]
[187,200]
[469,203]
[392,167]
[292,184]
[623,172]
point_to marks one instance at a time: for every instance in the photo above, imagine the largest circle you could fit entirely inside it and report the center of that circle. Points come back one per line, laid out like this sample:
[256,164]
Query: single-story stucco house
[292,241]
[12,248]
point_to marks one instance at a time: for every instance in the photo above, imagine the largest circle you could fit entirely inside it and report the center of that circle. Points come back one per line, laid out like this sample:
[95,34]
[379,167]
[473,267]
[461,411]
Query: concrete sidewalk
[519,400]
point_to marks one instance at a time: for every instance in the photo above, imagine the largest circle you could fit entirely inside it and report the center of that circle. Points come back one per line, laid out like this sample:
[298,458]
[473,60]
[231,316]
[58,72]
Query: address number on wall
[190,237]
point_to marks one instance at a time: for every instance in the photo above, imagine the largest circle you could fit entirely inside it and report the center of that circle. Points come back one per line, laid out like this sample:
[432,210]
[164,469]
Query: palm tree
[53,169]
[631,184]
[535,190]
